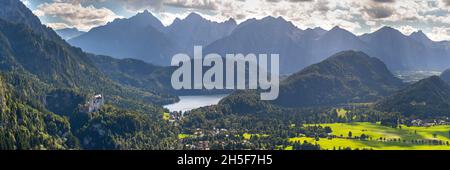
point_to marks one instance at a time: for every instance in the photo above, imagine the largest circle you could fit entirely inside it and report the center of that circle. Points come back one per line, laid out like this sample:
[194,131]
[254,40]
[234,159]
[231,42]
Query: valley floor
[380,137]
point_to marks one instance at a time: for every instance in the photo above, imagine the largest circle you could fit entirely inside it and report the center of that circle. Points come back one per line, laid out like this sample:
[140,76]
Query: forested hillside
[45,82]
[24,127]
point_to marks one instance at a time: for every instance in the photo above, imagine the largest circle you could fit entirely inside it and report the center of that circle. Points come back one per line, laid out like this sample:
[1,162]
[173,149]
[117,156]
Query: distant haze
[144,37]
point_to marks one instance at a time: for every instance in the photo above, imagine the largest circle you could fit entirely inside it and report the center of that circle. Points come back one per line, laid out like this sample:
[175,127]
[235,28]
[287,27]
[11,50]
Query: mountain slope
[344,77]
[24,127]
[16,12]
[68,33]
[336,40]
[138,74]
[266,36]
[46,81]
[446,75]
[140,37]
[395,49]
[135,73]
[426,98]
[420,37]
[401,52]
[69,66]
[196,30]
[54,62]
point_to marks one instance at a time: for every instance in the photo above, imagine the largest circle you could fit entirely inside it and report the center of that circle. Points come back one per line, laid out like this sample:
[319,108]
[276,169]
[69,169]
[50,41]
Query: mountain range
[144,37]
[139,37]
[195,30]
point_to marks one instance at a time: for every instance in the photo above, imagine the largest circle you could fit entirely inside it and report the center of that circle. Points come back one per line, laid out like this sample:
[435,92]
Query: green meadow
[341,112]
[382,137]
[184,136]
[247,136]
[166,116]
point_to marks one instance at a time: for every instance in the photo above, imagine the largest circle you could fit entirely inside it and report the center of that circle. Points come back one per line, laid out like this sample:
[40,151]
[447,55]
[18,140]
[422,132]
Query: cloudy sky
[358,16]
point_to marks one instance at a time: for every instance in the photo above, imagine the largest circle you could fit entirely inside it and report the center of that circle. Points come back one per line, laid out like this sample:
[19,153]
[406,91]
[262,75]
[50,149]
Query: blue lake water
[188,103]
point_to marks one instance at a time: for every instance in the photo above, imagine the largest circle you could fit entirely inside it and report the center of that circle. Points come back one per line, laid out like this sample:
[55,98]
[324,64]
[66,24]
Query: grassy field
[184,136]
[247,136]
[387,135]
[341,112]
[166,116]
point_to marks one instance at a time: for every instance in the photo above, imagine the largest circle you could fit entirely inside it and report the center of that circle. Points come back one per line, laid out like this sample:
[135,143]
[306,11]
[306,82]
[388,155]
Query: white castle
[94,104]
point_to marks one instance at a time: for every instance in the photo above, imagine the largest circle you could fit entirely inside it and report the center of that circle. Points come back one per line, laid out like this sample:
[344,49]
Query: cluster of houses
[429,123]
[175,117]
[206,145]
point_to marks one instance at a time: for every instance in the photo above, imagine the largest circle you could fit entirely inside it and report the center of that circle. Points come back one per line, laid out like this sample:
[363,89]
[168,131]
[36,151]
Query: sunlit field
[381,137]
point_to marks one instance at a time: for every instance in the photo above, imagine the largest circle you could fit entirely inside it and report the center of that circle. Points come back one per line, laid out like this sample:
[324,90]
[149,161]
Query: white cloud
[407,30]
[75,15]
[25,2]
[167,18]
[440,33]
[58,25]
[193,4]
[358,16]
[139,5]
